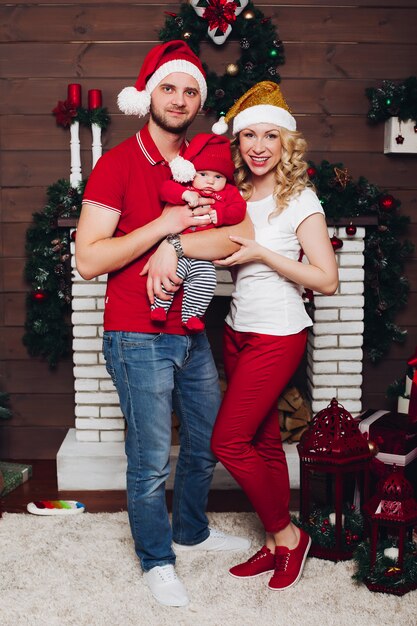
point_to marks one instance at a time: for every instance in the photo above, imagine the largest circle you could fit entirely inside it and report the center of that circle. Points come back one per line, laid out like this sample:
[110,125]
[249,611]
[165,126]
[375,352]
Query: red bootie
[194,325]
[158,315]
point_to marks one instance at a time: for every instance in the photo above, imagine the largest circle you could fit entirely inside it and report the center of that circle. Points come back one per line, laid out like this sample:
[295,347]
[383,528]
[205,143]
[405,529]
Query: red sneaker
[260,563]
[289,564]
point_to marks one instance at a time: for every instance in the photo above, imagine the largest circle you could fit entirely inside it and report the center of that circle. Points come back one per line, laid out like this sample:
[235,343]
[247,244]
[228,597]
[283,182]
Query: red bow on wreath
[220,13]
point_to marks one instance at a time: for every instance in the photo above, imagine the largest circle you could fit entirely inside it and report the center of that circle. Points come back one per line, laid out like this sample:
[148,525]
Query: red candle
[74,94]
[94,99]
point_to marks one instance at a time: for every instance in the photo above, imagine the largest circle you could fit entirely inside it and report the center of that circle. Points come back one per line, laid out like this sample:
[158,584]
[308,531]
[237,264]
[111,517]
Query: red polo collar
[148,147]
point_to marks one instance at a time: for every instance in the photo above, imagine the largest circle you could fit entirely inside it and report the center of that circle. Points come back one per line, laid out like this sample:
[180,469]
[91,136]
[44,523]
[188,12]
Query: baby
[208,163]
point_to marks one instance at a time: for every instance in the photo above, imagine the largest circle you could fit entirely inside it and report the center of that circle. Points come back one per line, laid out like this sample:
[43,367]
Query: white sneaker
[165,586]
[215,542]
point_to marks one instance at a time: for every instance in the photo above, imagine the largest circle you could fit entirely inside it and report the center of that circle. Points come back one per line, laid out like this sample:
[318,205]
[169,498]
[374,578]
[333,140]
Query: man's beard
[164,124]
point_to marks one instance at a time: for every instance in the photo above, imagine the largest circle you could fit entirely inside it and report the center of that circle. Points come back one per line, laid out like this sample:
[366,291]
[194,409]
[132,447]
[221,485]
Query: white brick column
[334,351]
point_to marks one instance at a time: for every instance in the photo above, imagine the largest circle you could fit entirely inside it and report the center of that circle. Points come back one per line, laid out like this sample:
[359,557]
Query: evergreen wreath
[393,100]
[261,52]
[385,576]
[323,533]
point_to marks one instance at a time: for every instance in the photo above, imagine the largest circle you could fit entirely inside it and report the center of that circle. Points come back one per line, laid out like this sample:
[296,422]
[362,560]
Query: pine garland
[393,100]
[323,533]
[261,52]
[386,288]
[48,305]
[385,574]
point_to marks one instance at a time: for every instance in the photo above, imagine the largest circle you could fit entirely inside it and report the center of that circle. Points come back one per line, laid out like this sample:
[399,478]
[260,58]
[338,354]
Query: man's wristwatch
[176,242]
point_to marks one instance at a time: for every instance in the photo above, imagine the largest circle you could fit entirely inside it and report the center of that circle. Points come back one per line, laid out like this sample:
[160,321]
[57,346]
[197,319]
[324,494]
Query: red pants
[246,436]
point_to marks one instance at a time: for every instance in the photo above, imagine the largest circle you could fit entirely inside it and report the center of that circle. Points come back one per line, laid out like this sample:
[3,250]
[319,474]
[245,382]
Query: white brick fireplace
[92,454]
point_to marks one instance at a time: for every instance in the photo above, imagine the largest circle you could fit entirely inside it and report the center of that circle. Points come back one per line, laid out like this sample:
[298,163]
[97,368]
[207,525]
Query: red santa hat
[164,59]
[204,152]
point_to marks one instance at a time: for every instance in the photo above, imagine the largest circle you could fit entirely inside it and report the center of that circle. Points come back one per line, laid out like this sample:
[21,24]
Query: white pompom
[220,127]
[183,171]
[133,102]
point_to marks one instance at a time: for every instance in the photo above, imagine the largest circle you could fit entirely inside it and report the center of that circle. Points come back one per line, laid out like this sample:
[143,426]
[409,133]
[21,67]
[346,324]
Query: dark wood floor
[43,486]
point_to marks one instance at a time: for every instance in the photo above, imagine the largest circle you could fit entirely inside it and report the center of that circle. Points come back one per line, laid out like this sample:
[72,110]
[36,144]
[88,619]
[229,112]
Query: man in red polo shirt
[122,224]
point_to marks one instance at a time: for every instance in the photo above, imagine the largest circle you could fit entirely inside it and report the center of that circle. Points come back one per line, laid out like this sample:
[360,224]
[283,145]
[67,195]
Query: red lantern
[336,243]
[351,230]
[393,508]
[334,446]
[311,171]
[386,202]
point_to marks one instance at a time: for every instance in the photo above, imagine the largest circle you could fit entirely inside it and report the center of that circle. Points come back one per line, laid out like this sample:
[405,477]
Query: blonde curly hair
[291,176]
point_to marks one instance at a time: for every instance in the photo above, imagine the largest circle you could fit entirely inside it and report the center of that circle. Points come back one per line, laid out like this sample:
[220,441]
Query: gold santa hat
[262,103]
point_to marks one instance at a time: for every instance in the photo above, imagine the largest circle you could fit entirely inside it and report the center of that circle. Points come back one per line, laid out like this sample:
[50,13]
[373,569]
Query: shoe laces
[281,561]
[216,533]
[262,553]
[167,574]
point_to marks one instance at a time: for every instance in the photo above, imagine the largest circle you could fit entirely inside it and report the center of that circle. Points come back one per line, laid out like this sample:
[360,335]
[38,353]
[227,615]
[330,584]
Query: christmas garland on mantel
[47,327]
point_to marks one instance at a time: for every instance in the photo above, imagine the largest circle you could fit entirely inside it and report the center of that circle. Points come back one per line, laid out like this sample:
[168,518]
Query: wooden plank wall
[333,53]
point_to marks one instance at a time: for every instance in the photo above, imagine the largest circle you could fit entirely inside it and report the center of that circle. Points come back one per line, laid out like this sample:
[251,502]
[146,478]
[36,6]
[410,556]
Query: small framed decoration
[400,137]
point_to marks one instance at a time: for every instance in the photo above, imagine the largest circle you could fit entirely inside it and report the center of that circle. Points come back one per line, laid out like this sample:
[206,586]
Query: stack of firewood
[294,414]
[293,410]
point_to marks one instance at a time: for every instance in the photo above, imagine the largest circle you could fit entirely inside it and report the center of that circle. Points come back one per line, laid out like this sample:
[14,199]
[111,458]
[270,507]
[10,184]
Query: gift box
[393,433]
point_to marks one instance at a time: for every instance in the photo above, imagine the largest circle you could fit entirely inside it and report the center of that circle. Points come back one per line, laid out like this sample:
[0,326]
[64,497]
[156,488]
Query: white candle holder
[75,176]
[96,144]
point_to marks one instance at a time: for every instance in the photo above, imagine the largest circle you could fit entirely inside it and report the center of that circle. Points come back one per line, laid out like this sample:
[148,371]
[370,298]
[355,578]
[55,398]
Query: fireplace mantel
[92,454]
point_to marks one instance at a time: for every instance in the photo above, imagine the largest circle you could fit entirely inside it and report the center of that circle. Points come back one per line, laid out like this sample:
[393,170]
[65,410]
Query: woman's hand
[178,218]
[249,251]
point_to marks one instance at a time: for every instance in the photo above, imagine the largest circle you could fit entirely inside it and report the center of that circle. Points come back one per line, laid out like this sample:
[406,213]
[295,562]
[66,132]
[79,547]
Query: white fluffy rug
[82,570]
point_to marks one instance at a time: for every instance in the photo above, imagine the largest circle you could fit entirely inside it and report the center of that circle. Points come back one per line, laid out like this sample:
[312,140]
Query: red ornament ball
[336,243]
[73,235]
[386,202]
[351,230]
[39,295]
[312,172]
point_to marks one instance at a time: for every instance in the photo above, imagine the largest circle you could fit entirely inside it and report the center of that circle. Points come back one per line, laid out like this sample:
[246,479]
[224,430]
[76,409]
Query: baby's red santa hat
[204,152]
[164,59]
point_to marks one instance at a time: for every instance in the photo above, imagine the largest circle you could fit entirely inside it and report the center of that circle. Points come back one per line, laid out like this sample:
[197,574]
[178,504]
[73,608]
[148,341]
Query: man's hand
[162,272]
[178,218]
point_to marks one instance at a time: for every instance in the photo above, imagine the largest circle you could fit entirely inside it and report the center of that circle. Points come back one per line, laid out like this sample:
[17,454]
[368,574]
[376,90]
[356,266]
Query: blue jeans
[153,374]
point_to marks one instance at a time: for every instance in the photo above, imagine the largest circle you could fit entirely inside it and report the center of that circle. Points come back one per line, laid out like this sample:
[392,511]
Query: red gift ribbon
[412,409]
[74,95]
[95,100]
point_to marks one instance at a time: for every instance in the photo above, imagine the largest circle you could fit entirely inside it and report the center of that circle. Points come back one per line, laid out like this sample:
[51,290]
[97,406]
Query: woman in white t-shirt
[266,328]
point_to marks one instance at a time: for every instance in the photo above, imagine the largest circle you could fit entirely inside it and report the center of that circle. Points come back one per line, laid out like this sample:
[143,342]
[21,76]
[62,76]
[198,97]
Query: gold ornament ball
[373,448]
[232,69]
[186,35]
[248,15]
